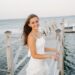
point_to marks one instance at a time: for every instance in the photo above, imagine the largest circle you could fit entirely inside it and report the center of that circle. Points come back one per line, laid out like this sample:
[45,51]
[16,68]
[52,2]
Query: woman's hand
[55,56]
[60,52]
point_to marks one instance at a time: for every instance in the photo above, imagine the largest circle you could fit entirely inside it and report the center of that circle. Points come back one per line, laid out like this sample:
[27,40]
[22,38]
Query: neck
[36,33]
[34,30]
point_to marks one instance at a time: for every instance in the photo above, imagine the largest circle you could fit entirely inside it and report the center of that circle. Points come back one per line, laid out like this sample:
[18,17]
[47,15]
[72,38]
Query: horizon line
[40,17]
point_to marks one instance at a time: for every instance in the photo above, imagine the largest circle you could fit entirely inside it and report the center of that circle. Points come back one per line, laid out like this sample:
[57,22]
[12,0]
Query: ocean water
[69,56]
[16,26]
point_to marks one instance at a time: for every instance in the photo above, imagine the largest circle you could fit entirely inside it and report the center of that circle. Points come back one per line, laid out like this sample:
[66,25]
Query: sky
[12,9]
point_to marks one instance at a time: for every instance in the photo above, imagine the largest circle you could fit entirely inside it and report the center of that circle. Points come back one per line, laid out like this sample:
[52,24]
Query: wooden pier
[55,39]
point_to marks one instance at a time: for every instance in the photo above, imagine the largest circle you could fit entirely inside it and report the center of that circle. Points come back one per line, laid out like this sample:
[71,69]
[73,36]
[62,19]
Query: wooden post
[53,27]
[62,41]
[9,53]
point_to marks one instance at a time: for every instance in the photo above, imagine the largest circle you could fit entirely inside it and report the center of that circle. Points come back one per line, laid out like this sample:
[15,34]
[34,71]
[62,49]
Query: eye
[32,22]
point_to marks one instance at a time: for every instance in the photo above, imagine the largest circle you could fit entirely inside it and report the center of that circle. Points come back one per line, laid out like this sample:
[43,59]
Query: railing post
[9,53]
[53,27]
[62,41]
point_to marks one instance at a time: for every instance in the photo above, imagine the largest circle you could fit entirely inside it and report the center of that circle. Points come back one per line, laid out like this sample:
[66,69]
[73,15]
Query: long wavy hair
[27,29]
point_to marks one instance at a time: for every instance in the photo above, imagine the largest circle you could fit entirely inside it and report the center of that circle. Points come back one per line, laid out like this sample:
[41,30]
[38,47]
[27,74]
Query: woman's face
[34,23]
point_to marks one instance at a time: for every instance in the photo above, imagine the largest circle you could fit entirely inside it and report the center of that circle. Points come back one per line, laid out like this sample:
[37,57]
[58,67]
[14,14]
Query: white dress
[38,66]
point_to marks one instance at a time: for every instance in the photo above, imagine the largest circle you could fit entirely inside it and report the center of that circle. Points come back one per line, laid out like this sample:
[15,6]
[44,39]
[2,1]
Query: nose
[37,24]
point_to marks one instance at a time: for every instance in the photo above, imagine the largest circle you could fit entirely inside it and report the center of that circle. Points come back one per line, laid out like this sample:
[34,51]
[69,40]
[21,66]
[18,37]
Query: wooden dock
[53,39]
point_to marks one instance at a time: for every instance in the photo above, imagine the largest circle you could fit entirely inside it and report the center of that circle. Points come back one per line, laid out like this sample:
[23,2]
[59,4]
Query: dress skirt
[37,67]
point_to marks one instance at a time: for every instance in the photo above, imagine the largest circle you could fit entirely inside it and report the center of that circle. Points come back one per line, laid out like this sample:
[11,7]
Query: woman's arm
[50,49]
[34,54]
[54,49]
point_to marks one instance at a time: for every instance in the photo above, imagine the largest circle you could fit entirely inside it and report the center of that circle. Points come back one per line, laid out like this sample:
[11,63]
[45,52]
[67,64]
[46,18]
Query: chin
[37,28]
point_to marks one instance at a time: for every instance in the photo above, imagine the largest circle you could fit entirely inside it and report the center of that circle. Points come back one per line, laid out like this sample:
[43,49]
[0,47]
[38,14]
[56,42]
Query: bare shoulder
[31,40]
[30,37]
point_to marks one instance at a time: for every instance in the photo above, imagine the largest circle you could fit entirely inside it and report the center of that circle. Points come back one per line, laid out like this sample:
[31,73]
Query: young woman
[35,42]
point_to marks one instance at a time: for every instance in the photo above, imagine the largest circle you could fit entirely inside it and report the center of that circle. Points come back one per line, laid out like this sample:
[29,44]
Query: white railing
[12,63]
[59,36]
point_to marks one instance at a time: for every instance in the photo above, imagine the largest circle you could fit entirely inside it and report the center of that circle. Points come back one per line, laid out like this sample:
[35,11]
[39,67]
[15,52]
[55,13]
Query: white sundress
[38,66]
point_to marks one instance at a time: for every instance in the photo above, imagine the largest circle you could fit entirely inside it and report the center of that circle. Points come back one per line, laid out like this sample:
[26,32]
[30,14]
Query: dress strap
[36,36]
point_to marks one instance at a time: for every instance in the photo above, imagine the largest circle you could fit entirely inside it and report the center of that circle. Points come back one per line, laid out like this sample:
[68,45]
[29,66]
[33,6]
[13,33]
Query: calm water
[16,27]
[69,63]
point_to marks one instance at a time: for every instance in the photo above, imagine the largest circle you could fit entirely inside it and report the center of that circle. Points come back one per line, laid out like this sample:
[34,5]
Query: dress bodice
[40,43]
